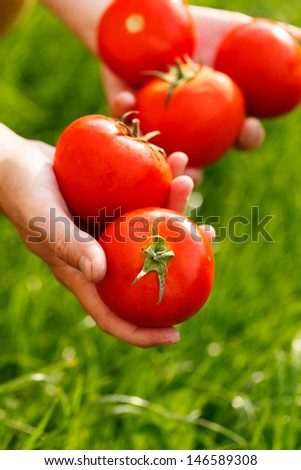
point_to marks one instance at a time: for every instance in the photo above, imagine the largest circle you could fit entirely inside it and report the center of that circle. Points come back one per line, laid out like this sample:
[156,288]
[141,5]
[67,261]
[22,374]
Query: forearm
[81,16]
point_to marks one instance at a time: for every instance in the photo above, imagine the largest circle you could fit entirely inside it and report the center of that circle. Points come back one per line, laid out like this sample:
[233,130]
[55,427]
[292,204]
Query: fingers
[177,162]
[252,135]
[76,248]
[48,225]
[196,174]
[136,335]
[181,186]
[39,209]
[107,320]
[209,232]
[122,103]
[180,190]
[72,246]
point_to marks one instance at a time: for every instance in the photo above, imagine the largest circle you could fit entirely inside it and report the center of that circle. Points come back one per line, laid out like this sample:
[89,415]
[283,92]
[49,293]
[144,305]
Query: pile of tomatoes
[160,264]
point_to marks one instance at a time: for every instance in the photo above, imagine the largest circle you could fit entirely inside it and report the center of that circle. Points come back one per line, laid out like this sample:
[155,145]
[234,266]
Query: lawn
[233,381]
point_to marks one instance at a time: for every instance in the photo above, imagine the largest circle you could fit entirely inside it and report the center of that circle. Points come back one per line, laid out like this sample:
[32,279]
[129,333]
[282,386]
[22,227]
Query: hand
[28,190]
[212,25]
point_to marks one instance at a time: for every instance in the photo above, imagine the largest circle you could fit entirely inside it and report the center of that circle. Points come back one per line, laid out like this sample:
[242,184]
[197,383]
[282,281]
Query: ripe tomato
[160,267]
[103,170]
[265,61]
[138,35]
[196,109]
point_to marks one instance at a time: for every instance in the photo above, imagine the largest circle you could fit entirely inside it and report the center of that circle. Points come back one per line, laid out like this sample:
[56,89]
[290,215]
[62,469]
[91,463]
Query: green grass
[234,379]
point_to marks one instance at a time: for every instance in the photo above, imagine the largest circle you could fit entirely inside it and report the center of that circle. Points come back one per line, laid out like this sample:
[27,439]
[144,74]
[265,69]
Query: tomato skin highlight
[136,35]
[265,61]
[203,117]
[189,276]
[103,172]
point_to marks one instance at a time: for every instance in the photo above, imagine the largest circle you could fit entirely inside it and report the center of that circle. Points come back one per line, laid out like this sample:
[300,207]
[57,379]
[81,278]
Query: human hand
[30,198]
[212,25]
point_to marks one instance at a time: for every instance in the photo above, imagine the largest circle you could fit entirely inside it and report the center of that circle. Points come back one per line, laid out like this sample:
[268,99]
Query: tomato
[196,109]
[103,170]
[160,267]
[265,61]
[140,35]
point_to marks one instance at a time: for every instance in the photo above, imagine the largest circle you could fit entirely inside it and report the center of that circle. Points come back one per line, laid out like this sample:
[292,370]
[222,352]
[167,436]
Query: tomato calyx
[177,74]
[133,130]
[156,258]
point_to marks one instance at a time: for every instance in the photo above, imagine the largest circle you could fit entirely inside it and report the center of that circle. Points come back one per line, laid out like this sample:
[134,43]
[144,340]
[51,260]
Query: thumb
[69,243]
[78,249]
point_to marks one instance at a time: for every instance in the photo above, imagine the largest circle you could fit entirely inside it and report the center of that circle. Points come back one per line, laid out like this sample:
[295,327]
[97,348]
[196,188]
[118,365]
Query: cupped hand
[31,199]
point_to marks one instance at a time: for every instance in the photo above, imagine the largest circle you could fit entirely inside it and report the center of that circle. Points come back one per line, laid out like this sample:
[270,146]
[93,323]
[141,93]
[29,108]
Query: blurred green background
[234,379]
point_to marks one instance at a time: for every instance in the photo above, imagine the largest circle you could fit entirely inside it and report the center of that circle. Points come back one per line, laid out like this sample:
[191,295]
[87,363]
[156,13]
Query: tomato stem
[176,74]
[179,71]
[156,258]
[135,132]
[136,128]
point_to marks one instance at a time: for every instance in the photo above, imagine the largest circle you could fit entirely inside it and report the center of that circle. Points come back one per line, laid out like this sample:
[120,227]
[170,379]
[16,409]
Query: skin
[28,188]
[212,25]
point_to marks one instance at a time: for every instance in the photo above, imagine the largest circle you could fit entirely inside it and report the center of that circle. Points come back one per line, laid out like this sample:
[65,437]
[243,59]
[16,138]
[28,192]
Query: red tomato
[160,267]
[265,61]
[103,171]
[139,35]
[202,116]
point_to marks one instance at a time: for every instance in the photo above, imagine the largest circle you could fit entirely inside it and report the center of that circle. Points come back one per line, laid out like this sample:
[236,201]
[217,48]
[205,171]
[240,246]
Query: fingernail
[85,265]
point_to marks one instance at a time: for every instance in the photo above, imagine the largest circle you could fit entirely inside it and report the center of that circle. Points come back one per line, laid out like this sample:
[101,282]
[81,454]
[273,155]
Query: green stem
[179,71]
[156,258]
